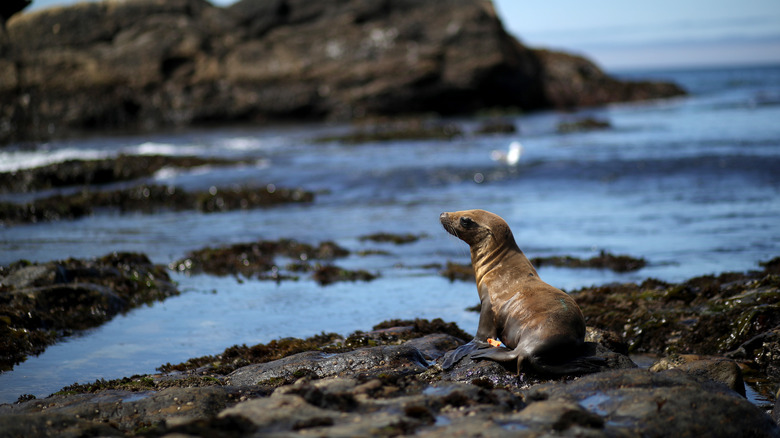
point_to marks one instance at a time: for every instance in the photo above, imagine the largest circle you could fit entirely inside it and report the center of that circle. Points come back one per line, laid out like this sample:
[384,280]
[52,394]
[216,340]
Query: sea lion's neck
[485,260]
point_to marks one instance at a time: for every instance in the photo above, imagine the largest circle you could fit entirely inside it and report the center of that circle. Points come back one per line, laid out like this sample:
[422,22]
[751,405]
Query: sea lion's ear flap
[504,233]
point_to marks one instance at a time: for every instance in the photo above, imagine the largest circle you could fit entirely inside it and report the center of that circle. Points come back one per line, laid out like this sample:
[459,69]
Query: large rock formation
[150,63]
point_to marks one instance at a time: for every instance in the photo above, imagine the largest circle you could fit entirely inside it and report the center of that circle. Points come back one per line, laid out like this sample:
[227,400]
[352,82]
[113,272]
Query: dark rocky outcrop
[149,199]
[9,8]
[146,64]
[257,260]
[605,260]
[41,303]
[733,314]
[393,389]
[97,172]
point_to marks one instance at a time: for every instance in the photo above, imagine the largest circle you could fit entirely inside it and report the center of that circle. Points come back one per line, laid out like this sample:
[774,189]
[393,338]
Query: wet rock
[397,131]
[329,274]
[392,390]
[771,266]
[733,314]
[258,260]
[457,271]
[148,199]
[111,412]
[239,356]
[421,327]
[670,403]
[146,64]
[605,260]
[497,127]
[398,239]
[52,424]
[586,124]
[718,369]
[41,303]
[388,360]
[282,413]
[96,172]
[390,332]
[485,372]
[291,413]
[607,339]
[557,415]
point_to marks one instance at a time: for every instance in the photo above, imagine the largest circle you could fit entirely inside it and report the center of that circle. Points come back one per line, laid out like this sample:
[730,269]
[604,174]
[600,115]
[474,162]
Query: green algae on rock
[398,239]
[41,303]
[605,260]
[257,260]
[617,263]
[709,315]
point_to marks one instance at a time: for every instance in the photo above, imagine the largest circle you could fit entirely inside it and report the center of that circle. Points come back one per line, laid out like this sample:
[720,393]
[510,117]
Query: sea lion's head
[478,228]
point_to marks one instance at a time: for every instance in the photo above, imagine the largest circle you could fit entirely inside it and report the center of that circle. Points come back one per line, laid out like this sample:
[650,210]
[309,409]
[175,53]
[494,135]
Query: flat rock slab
[392,390]
[386,359]
[670,403]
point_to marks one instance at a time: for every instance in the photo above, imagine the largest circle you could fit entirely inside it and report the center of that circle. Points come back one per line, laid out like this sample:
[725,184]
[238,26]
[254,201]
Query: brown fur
[540,325]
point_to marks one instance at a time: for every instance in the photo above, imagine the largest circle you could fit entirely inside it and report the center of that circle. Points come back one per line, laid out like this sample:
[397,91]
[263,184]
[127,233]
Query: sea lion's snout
[446,222]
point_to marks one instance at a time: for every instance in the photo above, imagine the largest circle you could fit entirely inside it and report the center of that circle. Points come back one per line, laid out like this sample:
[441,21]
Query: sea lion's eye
[467,223]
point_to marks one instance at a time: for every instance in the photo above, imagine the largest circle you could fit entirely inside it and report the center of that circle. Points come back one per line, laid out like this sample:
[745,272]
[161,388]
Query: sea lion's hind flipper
[498,354]
[577,366]
[452,357]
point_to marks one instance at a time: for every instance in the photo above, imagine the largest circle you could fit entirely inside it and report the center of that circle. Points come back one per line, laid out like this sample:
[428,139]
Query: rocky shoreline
[711,334]
[395,388]
[150,65]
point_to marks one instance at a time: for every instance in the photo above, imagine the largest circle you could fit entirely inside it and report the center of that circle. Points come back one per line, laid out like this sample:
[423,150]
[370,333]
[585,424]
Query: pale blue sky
[624,33]
[620,34]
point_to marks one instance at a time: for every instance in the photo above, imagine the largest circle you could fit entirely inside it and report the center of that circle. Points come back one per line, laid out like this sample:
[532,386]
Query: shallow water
[689,184]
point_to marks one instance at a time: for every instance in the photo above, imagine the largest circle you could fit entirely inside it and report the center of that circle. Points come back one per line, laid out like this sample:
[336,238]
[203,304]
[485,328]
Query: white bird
[511,157]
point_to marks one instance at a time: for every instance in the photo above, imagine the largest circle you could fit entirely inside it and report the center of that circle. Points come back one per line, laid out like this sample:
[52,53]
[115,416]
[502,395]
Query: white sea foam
[241,144]
[26,159]
[11,160]
[154,148]
[166,173]
[250,143]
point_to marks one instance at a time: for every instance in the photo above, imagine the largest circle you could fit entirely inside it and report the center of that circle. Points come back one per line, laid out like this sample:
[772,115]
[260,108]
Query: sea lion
[541,326]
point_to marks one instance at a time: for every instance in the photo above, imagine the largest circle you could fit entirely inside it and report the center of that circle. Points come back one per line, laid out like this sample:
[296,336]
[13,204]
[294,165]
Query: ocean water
[691,184]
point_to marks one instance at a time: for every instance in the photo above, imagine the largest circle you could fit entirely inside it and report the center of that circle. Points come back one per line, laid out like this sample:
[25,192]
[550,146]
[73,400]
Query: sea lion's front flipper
[452,357]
